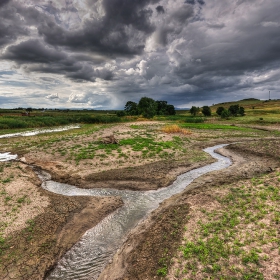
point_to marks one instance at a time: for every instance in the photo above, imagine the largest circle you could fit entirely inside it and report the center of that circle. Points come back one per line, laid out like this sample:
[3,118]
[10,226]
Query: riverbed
[93,252]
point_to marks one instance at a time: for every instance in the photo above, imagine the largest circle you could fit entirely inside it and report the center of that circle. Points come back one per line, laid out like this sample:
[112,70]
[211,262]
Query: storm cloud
[101,53]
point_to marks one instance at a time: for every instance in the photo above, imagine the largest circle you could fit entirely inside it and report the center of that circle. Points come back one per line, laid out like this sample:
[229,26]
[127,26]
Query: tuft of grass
[174,128]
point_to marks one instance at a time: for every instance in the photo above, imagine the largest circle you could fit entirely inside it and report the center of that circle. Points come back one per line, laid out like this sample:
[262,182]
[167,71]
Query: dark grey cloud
[160,9]
[11,26]
[191,2]
[34,56]
[121,31]
[4,2]
[201,2]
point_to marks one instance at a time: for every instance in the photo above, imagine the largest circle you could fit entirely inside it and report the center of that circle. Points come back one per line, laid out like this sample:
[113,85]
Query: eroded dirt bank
[30,252]
[146,177]
[154,242]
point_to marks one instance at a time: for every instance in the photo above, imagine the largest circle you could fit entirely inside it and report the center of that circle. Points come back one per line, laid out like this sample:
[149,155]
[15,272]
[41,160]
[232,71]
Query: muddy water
[93,252]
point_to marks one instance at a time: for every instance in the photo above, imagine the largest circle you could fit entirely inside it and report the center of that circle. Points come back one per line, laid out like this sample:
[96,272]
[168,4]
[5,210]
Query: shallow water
[91,254]
[39,131]
[8,156]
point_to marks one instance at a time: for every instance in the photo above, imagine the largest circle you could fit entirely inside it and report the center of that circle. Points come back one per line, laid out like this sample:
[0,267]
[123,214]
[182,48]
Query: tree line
[233,110]
[147,107]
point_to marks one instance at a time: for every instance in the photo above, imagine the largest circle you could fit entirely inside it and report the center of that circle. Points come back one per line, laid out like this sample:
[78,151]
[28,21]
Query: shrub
[225,114]
[175,129]
[220,110]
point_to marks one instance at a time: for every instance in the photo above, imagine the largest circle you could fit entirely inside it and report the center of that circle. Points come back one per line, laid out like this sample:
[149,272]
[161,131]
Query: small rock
[23,159]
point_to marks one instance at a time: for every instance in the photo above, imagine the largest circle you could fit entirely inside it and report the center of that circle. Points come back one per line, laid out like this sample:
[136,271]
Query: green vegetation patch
[235,239]
[214,126]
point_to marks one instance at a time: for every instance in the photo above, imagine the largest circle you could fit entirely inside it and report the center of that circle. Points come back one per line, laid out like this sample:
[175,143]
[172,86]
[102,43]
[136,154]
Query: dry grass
[174,128]
[142,119]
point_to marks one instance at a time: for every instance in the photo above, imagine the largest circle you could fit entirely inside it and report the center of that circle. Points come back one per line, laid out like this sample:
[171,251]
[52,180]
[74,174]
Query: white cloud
[52,96]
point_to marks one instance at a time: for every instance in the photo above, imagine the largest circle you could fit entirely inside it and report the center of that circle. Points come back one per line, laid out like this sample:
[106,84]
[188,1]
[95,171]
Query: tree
[131,108]
[233,110]
[206,111]
[220,110]
[225,114]
[242,111]
[147,107]
[120,113]
[29,109]
[161,107]
[170,110]
[194,110]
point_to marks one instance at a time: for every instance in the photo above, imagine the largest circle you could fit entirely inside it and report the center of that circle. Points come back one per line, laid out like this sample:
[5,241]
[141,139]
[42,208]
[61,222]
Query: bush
[206,111]
[195,120]
[225,114]
[120,113]
[220,110]
[175,129]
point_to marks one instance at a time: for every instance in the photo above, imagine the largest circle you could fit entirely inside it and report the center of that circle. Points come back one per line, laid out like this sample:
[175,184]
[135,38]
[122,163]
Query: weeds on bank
[236,239]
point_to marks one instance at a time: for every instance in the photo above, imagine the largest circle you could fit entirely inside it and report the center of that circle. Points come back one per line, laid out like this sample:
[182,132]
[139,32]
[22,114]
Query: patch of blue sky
[10,73]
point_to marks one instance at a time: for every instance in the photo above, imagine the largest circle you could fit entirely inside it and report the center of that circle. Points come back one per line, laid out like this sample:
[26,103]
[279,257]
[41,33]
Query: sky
[99,54]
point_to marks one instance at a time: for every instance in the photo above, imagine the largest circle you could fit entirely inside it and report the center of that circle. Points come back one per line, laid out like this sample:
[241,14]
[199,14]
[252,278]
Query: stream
[89,256]
[8,156]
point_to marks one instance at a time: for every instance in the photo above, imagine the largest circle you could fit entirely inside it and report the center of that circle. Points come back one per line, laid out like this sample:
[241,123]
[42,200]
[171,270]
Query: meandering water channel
[86,259]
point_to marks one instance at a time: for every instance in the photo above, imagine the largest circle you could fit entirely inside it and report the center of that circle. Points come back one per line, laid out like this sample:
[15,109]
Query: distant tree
[161,107]
[147,107]
[120,113]
[131,108]
[194,110]
[225,114]
[206,111]
[233,110]
[170,110]
[29,109]
[220,110]
[242,111]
